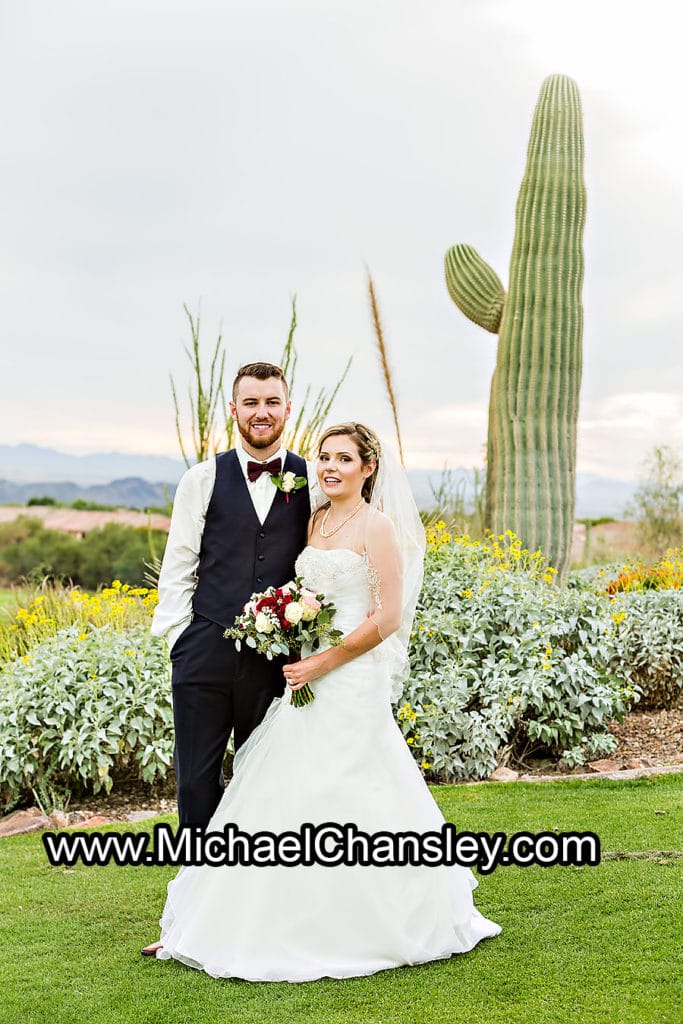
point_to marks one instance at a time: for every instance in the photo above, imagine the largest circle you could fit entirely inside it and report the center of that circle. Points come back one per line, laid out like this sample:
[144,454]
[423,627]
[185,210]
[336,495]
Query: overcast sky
[160,153]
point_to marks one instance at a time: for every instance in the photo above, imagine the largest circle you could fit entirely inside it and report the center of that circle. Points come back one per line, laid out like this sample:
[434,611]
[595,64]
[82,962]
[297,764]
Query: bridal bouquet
[281,620]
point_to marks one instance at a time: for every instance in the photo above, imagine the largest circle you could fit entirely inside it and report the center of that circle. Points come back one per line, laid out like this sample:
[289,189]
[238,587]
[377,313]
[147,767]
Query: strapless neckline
[312,547]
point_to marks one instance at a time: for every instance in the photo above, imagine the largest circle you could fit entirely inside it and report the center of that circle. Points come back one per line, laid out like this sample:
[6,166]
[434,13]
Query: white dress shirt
[178,576]
[262,490]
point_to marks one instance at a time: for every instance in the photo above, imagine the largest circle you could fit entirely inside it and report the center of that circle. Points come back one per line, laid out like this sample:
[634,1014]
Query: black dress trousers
[215,689]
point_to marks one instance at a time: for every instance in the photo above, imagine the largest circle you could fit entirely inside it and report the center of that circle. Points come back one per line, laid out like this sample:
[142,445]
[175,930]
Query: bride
[340,758]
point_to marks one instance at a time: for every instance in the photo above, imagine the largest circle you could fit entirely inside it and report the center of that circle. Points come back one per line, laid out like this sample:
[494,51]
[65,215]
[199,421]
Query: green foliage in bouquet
[533,409]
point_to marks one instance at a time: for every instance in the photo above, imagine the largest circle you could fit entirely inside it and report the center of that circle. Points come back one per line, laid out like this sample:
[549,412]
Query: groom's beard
[260,438]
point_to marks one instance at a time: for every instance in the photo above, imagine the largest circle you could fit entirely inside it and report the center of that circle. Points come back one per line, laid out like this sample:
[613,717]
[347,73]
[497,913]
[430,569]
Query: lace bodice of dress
[344,577]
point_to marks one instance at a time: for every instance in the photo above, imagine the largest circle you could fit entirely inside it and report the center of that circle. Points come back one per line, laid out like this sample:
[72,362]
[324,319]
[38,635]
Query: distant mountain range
[130,492]
[596,496]
[141,481]
[26,463]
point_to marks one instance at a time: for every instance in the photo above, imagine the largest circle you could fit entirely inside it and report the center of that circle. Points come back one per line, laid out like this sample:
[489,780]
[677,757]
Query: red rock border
[33,820]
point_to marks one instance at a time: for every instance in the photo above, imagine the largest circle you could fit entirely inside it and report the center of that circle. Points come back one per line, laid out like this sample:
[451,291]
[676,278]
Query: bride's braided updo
[368,444]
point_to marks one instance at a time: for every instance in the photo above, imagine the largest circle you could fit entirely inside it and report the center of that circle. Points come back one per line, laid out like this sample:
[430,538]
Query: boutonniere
[288,482]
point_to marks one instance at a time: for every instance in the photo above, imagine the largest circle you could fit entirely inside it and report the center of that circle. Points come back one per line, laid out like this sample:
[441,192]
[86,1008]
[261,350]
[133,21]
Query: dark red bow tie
[254,469]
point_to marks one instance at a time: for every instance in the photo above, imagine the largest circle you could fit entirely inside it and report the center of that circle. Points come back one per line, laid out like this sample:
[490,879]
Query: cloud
[452,434]
[614,437]
[241,153]
[616,434]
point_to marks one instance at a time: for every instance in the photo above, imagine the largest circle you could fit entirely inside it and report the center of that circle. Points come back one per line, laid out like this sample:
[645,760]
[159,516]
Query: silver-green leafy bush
[505,664]
[82,707]
[649,644]
[646,604]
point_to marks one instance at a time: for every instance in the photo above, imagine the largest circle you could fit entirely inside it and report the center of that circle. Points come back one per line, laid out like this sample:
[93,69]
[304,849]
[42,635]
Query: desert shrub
[18,529]
[646,604]
[30,550]
[657,505]
[45,501]
[113,551]
[649,644]
[119,552]
[593,577]
[505,664]
[83,706]
[41,611]
[665,574]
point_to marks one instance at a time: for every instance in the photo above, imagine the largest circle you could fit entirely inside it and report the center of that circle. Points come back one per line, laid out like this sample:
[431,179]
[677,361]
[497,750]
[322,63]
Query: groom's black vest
[240,556]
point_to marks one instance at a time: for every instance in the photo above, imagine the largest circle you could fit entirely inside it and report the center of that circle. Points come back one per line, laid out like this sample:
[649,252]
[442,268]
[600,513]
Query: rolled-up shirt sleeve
[178,576]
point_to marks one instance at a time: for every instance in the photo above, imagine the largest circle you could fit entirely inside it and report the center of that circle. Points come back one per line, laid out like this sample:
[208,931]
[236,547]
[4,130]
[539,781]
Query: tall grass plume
[384,362]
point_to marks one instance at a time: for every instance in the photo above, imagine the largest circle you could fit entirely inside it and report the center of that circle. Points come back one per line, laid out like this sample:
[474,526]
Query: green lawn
[595,945]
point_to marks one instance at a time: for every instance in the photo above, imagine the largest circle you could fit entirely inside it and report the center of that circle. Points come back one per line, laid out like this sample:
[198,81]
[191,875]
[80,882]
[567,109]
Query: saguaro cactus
[533,410]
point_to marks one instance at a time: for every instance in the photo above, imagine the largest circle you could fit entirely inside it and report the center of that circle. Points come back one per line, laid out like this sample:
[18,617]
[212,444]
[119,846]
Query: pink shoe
[152,950]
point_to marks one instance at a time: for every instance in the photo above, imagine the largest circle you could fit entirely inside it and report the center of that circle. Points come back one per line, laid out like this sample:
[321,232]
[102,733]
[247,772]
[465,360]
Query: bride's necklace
[343,522]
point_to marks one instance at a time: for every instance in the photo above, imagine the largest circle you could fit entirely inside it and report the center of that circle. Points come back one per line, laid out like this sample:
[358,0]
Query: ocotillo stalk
[531,471]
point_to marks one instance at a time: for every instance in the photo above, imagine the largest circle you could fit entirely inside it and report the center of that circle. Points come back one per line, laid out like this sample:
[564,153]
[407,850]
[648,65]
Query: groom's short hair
[262,371]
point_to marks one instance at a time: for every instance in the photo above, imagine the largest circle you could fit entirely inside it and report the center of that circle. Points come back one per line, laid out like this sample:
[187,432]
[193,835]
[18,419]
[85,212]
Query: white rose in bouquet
[264,623]
[294,612]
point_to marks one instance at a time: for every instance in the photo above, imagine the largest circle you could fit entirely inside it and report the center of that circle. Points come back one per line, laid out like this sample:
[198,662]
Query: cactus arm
[474,287]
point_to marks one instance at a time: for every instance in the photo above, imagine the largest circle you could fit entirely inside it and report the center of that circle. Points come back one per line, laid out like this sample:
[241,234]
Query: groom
[233,532]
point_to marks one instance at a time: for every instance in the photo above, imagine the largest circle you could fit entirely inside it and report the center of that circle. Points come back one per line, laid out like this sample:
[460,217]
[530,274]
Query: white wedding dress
[340,759]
